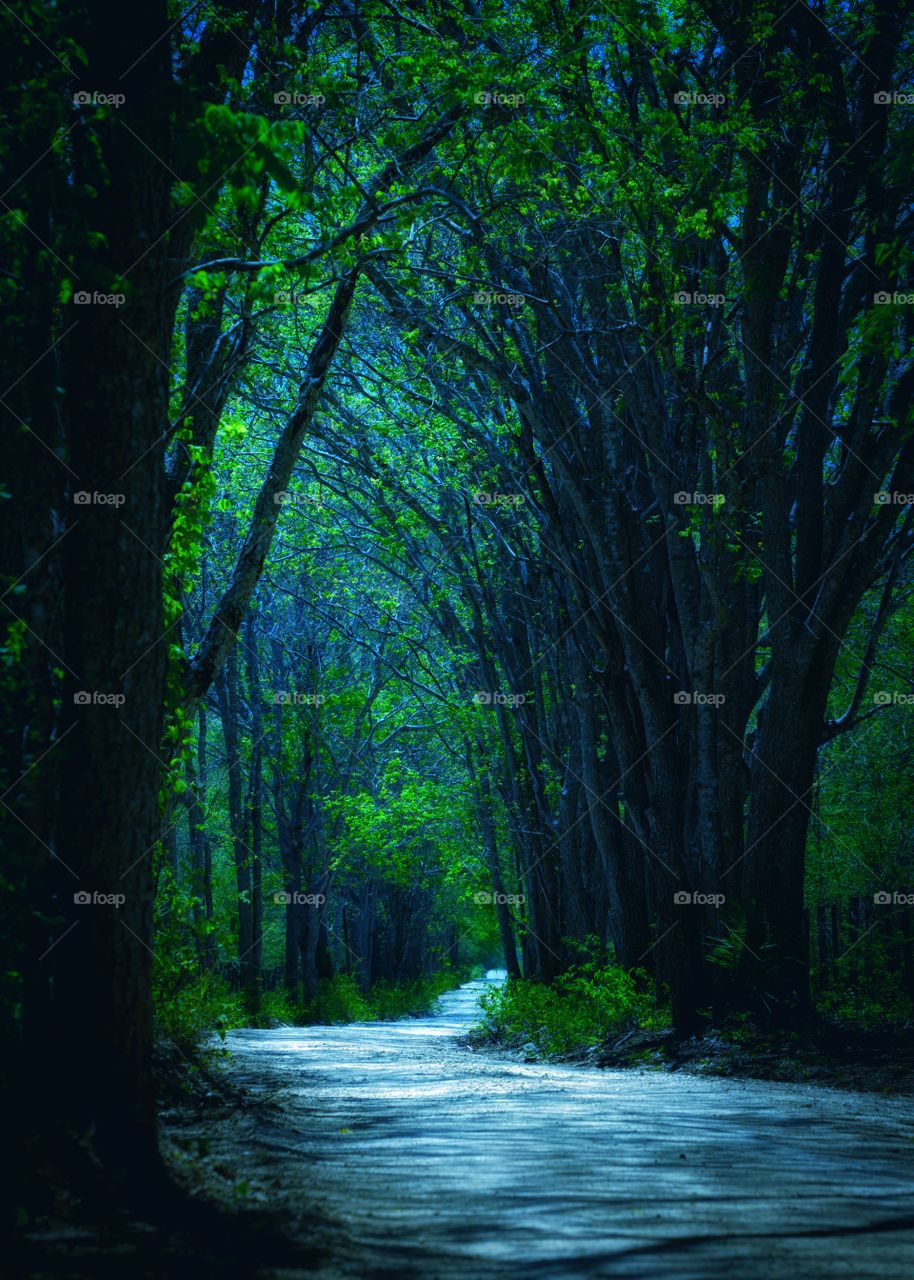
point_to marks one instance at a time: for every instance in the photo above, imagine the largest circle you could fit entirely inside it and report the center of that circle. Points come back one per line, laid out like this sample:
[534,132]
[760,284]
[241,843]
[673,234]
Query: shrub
[863,988]
[341,1000]
[275,1007]
[583,1007]
[190,1011]
[401,999]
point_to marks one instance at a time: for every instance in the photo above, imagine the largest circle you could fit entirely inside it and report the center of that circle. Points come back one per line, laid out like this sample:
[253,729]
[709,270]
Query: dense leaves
[460,507]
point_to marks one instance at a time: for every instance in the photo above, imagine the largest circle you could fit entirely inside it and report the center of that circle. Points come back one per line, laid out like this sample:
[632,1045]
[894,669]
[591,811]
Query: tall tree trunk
[490,849]
[308,945]
[254,816]
[196,817]
[781,800]
[230,710]
[364,938]
[116,382]
[209,948]
[622,864]
[253,840]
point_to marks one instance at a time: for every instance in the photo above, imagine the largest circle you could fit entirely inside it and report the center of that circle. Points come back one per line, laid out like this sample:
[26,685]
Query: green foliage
[190,1004]
[341,1000]
[730,951]
[874,1006]
[865,987]
[389,580]
[403,999]
[275,1008]
[191,1007]
[583,1007]
[395,829]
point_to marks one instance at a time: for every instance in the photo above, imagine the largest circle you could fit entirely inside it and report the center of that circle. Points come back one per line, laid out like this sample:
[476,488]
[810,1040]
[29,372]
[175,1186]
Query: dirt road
[425,1158]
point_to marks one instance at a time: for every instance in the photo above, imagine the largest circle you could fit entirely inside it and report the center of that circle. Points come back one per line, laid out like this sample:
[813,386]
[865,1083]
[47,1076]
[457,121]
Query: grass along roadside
[580,1010]
[193,1012]
[600,1015]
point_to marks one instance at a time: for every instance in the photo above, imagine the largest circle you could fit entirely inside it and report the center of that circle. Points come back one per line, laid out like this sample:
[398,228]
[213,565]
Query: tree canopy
[459,506]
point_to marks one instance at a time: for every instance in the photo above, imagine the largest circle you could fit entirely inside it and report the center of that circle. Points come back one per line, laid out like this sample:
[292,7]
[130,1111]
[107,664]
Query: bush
[583,1007]
[189,1012]
[189,1008]
[341,1000]
[402,999]
[874,999]
[275,1009]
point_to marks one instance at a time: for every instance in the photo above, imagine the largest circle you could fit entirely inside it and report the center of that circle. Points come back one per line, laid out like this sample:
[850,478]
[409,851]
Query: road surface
[420,1157]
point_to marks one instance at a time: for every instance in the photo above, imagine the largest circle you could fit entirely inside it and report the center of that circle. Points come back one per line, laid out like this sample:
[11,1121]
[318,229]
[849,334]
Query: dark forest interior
[457,522]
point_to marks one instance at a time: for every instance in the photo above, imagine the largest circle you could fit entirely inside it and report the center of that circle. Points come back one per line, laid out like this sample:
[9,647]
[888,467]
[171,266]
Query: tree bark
[490,850]
[116,379]
[229,706]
